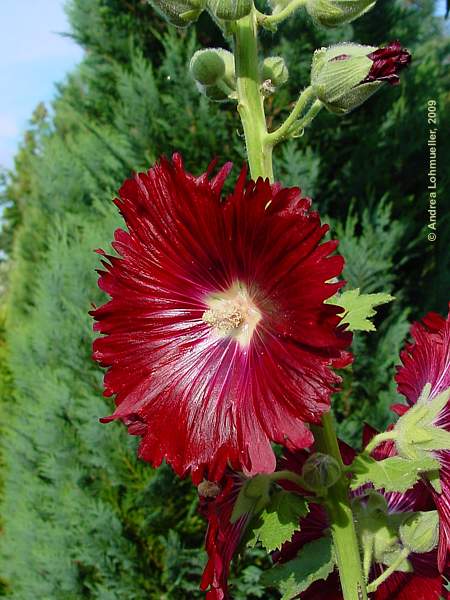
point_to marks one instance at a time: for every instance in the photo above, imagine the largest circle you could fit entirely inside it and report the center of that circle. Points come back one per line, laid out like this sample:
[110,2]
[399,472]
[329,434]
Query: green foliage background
[81,517]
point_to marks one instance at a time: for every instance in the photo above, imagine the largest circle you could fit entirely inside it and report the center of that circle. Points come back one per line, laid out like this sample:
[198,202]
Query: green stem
[341,518]
[268,20]
[372,587]
[293,120]
[250,99]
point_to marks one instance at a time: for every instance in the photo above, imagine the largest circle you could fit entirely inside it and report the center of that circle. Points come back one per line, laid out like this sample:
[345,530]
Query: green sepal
[434,477]
[279,520]
[420,532]
[253,497]
[358,308]
[417,436]
[395,474]
[315,561]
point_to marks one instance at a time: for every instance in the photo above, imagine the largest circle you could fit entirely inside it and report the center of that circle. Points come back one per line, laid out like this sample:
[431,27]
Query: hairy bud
[208,489]
[230,10]
[420,532]
[332,13]
[180,13]
[214,73]
[346,75]
[321,471]
[274,69]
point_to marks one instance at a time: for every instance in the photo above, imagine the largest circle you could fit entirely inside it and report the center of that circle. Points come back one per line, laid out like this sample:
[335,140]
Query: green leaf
[358,308]
[395,474]
[279,520]
[417,435]
[315,561]
[254,495]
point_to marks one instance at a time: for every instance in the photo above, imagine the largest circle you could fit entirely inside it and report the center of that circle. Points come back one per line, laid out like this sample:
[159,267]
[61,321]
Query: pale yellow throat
[232,314]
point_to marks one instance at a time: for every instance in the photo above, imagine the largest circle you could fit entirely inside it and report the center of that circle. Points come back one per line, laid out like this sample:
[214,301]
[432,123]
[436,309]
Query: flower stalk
[340,514]
[259,146]
[250,99]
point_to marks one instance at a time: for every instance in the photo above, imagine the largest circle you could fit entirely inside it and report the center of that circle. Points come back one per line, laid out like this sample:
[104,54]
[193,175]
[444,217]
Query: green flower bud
[274,69]
[214,73]
[420,532]
[208,66]
[180,13]
[230,10]
[346,75]
[332,13]
[321,471]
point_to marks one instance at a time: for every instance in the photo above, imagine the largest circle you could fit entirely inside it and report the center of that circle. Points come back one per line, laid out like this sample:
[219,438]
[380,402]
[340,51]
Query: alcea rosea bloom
[427,361]
[216,338]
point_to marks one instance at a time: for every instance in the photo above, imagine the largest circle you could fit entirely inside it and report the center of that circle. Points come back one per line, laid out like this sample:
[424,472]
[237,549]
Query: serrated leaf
[359,308]
[417,434]
[395,474]
[279,520]
[315,561]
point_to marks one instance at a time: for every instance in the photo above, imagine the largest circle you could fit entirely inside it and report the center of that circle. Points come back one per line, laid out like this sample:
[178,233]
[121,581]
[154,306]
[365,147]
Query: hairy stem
[340,514]
[250,99]
[372,587]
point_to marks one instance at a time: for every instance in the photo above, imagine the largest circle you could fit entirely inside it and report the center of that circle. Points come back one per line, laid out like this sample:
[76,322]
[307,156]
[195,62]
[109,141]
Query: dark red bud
[387,63]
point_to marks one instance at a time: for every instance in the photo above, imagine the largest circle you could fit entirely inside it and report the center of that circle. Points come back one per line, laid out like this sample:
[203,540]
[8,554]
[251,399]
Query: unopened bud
[214,73]
[208,489]
[274,69]
[345,75]
[332,13]
[230,10]
[321,471]
[180,13]
[420,532]
[208,66]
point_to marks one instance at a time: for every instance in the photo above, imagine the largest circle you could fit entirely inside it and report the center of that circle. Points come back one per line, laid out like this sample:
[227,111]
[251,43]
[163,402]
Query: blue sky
[33,56]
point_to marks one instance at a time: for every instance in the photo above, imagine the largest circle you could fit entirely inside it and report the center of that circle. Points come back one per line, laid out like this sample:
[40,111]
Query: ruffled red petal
[426,359]
[222,537]
[198,400]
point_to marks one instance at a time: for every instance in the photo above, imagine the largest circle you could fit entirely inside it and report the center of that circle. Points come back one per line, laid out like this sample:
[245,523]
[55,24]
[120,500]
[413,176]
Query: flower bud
[230,10]
[332,13]
[420,532]
[214,73]
[180,13]
[321,471]
[274,69]
[346,75]
[208,489]
[208,66]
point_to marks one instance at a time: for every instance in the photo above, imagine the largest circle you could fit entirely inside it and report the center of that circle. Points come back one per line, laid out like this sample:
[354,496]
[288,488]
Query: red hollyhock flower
[216,338]
[427,360]
[425,583]
[387,63]
[222,537]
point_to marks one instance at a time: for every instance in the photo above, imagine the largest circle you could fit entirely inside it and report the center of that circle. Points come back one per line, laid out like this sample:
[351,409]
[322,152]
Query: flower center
[232,314]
